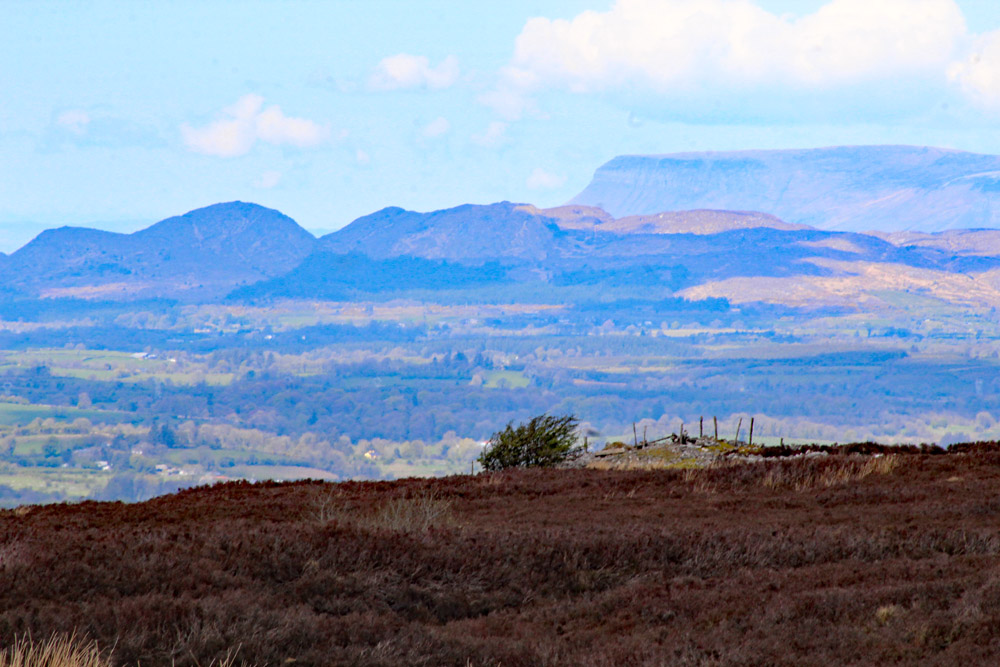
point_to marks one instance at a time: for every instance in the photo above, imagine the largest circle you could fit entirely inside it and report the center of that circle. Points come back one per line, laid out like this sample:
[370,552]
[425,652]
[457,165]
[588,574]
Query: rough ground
[836,559]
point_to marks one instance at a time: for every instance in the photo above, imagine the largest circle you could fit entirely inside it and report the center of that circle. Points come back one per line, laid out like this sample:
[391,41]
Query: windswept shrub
[543,442]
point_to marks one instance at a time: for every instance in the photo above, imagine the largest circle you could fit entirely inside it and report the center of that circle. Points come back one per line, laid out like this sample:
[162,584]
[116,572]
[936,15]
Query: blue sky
[123,113]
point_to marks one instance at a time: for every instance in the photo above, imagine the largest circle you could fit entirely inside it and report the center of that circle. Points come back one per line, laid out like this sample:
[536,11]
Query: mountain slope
[850,188]
[982,242]
[469,232]
[667,222]
[324,275]
[206,251]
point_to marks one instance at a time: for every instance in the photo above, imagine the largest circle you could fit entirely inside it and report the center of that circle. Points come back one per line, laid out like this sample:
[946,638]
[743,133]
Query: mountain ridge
[205,251]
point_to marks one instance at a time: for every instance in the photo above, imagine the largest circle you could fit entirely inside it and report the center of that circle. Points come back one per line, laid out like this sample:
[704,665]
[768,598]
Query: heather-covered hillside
[835,559]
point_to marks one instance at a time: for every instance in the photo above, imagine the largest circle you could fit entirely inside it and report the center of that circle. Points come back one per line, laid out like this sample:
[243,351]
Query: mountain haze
[848,188]
[738,251]
[667,222]
[208,250]
[468,232]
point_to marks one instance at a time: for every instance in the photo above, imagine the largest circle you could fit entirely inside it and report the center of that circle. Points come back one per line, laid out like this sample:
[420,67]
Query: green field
[107,365]
[33,445]
[17,414]
[72,482]
[510,379]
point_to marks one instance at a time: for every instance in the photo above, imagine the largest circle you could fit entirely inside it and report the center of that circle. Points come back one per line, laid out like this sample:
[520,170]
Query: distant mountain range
[247,252]
[848,188]
[202,252]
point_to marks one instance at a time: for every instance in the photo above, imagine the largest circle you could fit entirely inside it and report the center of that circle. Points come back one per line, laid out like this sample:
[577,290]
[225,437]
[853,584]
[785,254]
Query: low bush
[543,442]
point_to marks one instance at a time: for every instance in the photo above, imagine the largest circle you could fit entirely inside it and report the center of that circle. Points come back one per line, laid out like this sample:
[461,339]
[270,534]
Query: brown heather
[837,559]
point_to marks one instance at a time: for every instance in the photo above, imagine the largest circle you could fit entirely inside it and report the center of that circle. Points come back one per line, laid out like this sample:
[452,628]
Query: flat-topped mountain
[208,250]
[849,188]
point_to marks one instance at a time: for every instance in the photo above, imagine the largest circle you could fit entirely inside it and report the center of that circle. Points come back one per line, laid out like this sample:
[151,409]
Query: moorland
[828,559]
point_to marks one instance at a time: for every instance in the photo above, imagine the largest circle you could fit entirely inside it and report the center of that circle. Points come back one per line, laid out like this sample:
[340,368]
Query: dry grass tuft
[415,513]
[886,613]
[418,513]
[57,651]
[834,474]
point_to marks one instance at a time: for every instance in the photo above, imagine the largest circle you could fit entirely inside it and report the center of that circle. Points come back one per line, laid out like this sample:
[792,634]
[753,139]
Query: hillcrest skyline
[121,115]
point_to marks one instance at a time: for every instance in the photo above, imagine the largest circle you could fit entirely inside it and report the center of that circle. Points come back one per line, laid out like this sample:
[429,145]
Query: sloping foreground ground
[814,561]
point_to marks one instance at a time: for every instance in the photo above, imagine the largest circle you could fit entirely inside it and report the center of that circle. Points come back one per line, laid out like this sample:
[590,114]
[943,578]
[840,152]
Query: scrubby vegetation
[827,559]
[543,442]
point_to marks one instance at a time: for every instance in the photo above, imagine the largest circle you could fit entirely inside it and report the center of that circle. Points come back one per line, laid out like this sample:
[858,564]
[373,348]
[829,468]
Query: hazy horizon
[328,111]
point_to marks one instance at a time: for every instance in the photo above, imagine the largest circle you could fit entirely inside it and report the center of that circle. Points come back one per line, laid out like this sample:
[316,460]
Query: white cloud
[493,135]
[436,128]
[267,180]
[362,157]
[978,75]
[509,100]
[247,121]
[405,71]
[675,46]
[74,120]
[543,180]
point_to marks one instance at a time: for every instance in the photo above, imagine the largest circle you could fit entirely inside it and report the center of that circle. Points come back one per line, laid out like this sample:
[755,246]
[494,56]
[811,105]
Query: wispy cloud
[407,72]
[74,120]
[267,180]
[539,179]
[492,136]
[246,122]
[97,127]
[978,75]
[436,128]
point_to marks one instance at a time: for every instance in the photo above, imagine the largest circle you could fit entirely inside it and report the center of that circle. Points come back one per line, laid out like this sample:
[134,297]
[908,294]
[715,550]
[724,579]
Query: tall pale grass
[69,651]
[56,651]
[418,513]
[834,475]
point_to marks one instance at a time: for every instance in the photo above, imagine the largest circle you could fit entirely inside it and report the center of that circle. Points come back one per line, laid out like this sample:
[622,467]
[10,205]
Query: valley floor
[812,561]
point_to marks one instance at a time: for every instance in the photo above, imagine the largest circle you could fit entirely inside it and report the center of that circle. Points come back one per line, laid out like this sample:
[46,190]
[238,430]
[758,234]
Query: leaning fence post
[701,427]
[736,442]
[750,444]
[635,436]
[715,421]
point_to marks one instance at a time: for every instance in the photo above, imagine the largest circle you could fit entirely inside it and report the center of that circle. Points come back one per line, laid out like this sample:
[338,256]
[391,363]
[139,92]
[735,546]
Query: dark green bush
[542,442]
